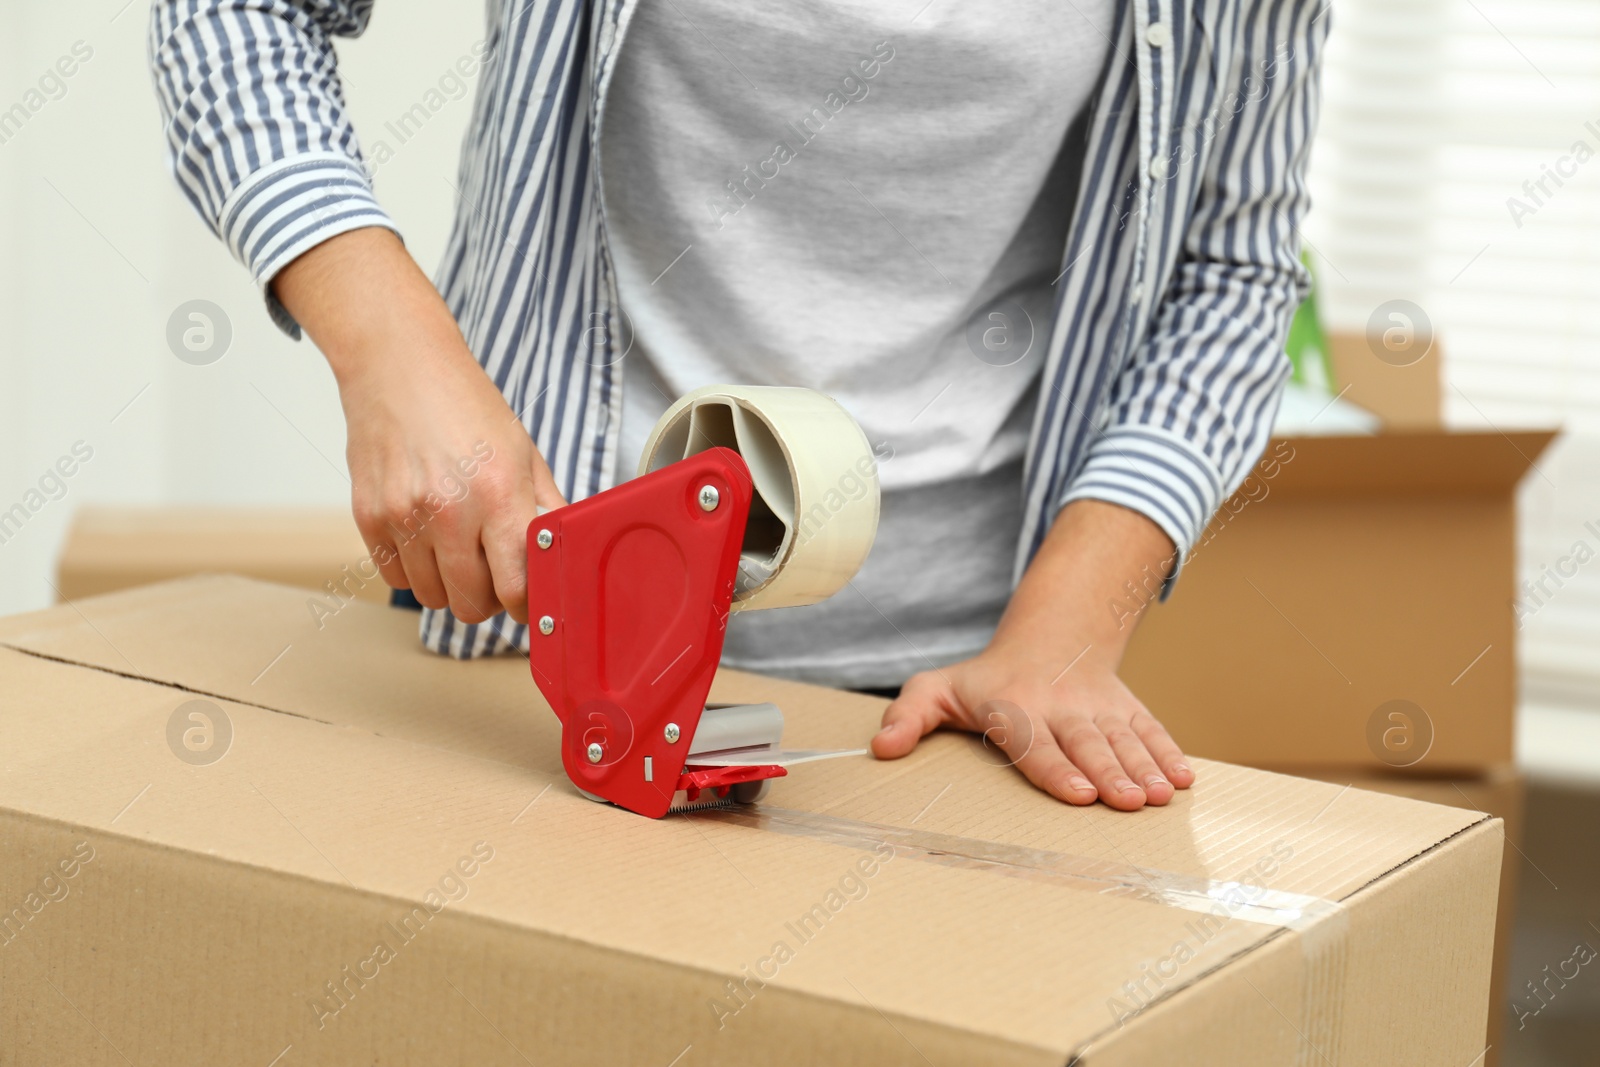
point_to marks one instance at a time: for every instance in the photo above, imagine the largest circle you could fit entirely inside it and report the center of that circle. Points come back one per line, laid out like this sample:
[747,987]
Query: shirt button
[608,36]
[1136,294]
[1159,34]
[1158,168]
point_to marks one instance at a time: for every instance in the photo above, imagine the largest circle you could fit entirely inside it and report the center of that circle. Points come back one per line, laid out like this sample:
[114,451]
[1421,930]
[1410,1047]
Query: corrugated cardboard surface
[222,899]
[1364,570]
[1501,792]
[112,548]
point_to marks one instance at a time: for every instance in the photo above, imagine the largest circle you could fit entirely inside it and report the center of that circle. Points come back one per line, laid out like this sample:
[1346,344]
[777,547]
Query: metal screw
[547,625]
[709,498]
[672,733]
[544,540]
[595,752]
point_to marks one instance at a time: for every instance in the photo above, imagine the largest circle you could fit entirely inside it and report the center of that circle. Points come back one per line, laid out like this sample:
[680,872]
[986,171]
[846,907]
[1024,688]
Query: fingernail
[1180,768]
[886,729]
[1125,786]
[1078,783]
[1153,781]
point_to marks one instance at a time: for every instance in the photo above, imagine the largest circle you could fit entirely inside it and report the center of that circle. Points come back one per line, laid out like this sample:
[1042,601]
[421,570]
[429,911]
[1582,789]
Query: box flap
[1405,397]
[360,761]
[1408,461]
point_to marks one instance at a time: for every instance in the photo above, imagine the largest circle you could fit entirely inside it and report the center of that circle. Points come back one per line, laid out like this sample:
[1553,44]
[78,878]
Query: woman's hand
[444,479]
[1046,692]
[1080,737]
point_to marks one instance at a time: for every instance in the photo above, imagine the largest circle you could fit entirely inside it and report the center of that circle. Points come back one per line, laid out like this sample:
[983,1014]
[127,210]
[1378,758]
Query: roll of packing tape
[814,511]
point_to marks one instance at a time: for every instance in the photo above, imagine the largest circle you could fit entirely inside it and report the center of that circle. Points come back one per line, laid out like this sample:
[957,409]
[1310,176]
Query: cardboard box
[111,548]
[387,865]
[1501,792]
[1347,574]
[1406,396]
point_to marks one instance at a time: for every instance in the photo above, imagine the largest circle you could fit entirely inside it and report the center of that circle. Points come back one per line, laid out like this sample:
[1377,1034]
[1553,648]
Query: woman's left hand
[1079,737]
[1045,692]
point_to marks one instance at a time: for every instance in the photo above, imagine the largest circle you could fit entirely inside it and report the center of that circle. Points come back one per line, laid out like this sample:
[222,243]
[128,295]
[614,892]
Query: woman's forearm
[1072,599]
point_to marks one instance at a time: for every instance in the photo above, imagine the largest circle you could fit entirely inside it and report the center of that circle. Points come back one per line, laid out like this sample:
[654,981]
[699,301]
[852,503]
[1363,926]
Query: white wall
[97,247]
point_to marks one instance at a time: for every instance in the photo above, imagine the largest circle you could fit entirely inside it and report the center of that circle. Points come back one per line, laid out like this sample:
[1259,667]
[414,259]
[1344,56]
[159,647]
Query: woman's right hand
[444,479]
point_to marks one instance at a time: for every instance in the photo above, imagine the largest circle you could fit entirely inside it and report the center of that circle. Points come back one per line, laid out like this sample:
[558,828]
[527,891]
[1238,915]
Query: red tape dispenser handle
[628,600]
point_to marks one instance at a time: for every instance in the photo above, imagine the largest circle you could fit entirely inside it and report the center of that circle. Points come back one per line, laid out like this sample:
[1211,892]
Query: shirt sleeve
[257,131]
[1194,404]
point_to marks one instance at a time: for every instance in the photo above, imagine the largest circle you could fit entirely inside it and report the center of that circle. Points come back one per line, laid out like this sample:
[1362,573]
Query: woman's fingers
[1135,759]
[1123,756]
[1046,766]
[1163,748]
[422,573]
[923,704]
[1085,745]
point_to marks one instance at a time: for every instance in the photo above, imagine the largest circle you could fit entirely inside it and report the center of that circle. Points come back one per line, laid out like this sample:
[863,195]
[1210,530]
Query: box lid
[357,763]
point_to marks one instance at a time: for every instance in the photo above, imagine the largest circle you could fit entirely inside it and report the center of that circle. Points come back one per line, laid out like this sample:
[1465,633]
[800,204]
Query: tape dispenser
[746,498]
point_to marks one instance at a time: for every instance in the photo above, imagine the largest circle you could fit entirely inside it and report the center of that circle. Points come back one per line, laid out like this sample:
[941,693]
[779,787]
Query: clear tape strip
[1322,924]
[1257,904]
[768,756]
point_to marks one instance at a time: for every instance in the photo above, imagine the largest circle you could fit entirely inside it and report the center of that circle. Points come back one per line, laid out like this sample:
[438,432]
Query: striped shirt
[1181,270]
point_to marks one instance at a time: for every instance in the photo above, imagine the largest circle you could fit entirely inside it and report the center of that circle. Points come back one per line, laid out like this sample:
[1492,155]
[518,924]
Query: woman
[1045,254]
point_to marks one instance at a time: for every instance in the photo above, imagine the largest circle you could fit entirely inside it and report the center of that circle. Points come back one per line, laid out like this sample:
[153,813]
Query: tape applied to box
[1321,924]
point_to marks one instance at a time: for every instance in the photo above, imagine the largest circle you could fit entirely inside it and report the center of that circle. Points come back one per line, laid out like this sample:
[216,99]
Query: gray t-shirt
[874,206]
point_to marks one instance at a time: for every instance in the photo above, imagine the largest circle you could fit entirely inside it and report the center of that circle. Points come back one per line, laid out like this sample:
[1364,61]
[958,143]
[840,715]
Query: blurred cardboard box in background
[1351,605]
[111,548]
[1365,570]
